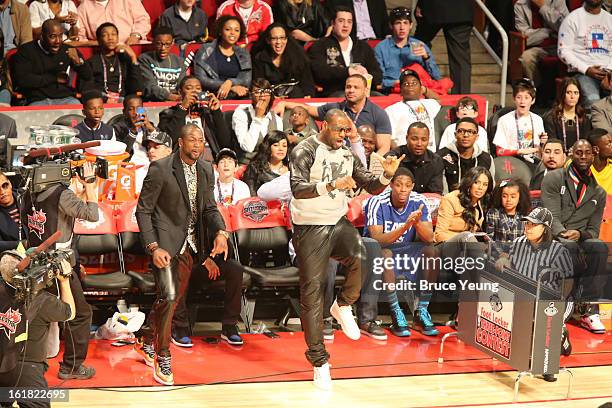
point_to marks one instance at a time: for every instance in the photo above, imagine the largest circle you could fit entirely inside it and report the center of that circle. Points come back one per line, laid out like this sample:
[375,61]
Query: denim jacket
[206,68]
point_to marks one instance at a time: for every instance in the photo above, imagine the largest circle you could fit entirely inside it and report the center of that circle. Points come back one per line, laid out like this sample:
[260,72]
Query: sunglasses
[401,12]
[260,92]
[340,129]
[5,186]
[467,106]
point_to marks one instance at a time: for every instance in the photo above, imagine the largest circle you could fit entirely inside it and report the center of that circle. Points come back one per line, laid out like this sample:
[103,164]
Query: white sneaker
[593,324]
[322,377]
[344,316]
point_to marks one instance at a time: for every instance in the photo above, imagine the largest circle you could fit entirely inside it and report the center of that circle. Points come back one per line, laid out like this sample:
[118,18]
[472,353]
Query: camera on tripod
[41,273]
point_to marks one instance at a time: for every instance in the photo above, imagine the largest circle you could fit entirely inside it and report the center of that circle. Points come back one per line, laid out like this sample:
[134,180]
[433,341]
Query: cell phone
[141,112]
[481,236]
[271,335]
[121,343]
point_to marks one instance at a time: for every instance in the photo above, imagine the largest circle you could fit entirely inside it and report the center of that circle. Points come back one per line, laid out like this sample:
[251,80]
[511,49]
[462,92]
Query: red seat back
[105,224]
[254,213]
[355,212]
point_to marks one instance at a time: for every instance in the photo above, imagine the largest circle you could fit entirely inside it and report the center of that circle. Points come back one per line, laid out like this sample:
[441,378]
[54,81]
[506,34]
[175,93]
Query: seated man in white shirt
[467,107]
[252,123]
[413,109]
[228,190]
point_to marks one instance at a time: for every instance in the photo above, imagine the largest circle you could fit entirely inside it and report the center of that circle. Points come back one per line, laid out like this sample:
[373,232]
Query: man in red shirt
[256,15]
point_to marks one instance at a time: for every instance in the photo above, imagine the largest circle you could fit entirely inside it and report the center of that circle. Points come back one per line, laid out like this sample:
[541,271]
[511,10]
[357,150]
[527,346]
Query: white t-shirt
[346,54]
[245,13]
[448,137]
[185,15]
[40,12]
[403,114]
[231,192]
[527,135]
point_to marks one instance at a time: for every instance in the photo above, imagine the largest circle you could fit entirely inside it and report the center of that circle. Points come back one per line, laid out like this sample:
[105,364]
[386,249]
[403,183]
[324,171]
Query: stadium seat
[511,167]
[97,240]
[70,120]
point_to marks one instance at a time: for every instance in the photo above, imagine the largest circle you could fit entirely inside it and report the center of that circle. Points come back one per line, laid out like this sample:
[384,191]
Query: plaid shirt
[503,228]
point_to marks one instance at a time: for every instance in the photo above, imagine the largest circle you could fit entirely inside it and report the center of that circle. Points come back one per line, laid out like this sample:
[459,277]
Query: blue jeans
[5,96]
[70,100]
[591,89]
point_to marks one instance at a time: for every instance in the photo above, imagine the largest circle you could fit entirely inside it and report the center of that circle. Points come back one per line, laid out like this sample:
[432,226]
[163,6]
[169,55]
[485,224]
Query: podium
[519,324]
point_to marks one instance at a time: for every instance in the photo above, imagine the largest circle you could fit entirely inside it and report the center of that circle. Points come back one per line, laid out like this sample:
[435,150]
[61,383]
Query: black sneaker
[328,328]
[81,373]
[373,330]
[549,377]
[229,333]
[566,345]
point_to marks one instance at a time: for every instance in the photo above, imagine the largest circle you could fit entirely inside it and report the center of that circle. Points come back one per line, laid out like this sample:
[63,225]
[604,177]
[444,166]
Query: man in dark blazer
[455,18]
[377,10]
[577,204]
[177,216]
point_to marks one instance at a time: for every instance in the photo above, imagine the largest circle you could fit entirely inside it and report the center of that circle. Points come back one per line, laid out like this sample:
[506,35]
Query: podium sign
[511,324]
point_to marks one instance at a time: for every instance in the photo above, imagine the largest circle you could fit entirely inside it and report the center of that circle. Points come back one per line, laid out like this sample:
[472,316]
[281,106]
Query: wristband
[90,180]
[152,247]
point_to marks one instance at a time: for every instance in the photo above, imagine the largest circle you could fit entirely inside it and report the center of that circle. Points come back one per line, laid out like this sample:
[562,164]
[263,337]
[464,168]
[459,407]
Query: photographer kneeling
[44,308]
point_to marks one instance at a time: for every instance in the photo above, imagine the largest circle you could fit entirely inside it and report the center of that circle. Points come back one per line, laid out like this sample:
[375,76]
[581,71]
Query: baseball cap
[540,215]
[159,138]
[225,153]
[400,13]
[409,72]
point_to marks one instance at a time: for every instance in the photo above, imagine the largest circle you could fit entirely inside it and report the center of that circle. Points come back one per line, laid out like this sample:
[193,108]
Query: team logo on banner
[36,222]
[9,321]
[255,210]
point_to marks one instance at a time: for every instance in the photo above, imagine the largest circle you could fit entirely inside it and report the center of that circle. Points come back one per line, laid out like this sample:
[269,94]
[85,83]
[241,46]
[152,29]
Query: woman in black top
[306,20]
[272,161]
[567,120]
[115,68]
[279,59]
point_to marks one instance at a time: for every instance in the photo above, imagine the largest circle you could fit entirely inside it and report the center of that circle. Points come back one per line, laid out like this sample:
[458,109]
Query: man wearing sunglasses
[323,172]
[463,154]
[399,50]
[9,216]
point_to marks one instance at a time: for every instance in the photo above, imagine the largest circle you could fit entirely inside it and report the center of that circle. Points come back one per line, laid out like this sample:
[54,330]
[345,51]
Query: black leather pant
[171,285]
[314,245]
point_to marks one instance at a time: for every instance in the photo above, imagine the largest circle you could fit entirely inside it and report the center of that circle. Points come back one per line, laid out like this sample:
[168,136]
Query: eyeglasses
[469,132]
[5,186]
[278,39]
[261,92]
[467,106]
[163,44]
[340,129]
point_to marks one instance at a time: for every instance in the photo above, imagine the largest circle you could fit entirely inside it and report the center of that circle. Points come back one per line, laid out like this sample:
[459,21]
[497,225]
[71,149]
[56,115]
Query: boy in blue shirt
[399,50]
[395,218]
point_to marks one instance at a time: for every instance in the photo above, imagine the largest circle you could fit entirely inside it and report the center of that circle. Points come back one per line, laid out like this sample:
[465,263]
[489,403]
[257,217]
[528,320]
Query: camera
[41,273]
[100,166]
[204,98]
[59,170]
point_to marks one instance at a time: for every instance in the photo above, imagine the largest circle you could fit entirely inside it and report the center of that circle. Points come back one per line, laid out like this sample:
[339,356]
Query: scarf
[580,180]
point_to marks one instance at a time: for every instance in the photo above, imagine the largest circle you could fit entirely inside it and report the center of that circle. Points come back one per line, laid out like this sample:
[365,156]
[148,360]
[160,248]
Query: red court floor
[262,359]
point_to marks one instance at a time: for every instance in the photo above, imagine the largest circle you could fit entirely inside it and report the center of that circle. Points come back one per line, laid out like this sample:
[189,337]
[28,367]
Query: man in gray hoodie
[463,154]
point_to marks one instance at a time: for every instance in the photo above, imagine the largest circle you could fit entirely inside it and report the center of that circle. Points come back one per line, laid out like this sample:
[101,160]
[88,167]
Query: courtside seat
[97,240]
[262,237]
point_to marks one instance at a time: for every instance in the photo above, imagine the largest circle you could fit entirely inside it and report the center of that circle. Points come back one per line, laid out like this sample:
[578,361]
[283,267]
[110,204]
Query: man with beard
[322,171]
[176,215]
[553,158]
[577,203]
[40,68]
[584,45]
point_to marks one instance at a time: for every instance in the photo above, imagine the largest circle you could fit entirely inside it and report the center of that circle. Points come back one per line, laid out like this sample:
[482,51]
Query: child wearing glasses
[463,154]
[466,107]
[161,70]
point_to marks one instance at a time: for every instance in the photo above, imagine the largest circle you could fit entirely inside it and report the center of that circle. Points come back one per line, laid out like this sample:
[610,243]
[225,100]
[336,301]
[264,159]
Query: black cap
[225,153]
[409,72]
[159,138]
[400,13]
[540,215]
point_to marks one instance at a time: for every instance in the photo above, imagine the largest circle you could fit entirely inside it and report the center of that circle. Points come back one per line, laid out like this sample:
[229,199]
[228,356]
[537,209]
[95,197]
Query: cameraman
[31,365]
[205,114]
[55,209]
